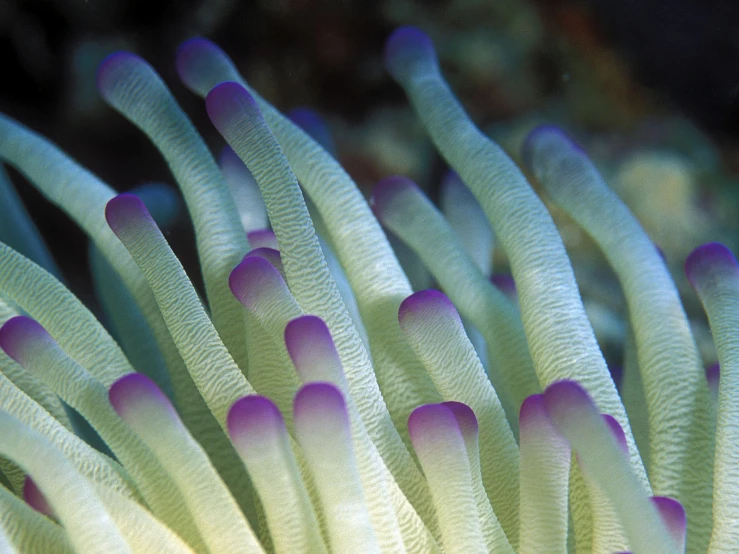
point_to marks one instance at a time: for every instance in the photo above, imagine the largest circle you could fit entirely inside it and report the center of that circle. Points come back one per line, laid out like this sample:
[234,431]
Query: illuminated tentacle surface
[322,429]
[493,534]
[133,88]
[403,208]
[557,329]
[316,403]
[30,345]
[545,465]
[429,318]
[714,273]
[190,327]
[680,426]
[127,323]
[27,382]
[316,360]
[607,534]
[23,528]
[259,435]
[148,412]
[197,341]
[89,526]
[258,285]
[438,442]
[371,267]
[574,413]
[236,115]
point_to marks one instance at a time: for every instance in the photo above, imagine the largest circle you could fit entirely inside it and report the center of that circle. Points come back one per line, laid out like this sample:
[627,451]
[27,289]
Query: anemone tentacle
[311,402]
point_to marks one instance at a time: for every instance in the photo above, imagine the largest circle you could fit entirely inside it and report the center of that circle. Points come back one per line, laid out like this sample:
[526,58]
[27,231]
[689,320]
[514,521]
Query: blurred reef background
[650,88]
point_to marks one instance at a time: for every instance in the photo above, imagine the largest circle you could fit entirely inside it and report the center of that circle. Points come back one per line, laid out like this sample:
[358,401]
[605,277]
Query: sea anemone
[312,402]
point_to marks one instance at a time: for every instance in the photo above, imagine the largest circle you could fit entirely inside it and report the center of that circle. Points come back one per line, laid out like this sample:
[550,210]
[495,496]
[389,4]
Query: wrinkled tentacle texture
[312,402]
[714,273]
[676,391]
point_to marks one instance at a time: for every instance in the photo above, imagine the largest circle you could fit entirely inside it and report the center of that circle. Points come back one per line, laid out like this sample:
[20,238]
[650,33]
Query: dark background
[606,63]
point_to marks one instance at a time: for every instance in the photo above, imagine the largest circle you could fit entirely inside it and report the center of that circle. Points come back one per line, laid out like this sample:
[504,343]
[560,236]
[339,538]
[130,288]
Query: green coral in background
[314,402]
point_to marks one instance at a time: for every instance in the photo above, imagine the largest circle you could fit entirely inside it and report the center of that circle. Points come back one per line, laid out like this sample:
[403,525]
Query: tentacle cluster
[312,402]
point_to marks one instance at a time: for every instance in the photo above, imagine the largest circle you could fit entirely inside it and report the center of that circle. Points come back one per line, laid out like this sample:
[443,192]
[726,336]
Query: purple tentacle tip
[421,302]
[319,399]
[133,388]
[225,100]
[465,417]
[564,399]
[113,67]
[404,46]
[713,376]
[247,278]
[673,514]
[120,210]
[426,421]
[387,190]
[35,498]
[617,431]
[253,414]
[532,411]
[269,254]
[190,55]
[262,238]
[528,149]
[15,334]
[304,332]
[505,284]
[707,258]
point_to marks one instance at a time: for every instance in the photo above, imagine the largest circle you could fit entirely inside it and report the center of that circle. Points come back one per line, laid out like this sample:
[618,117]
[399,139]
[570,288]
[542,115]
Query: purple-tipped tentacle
[532,411]
[505,284]
[20,333]
[674,516]
[251,276]
[565,398]
[115,67]
[709,258]
[617,431]
[386,192]
[263,238]
[429,301]
[269,254]
[192,58]
[320,400]
[35,498]
[405,46]
[427,421]
[125,209]
[254,416]
[466,419]
[308,335]
[224,101]
[134,390]
[542,132]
